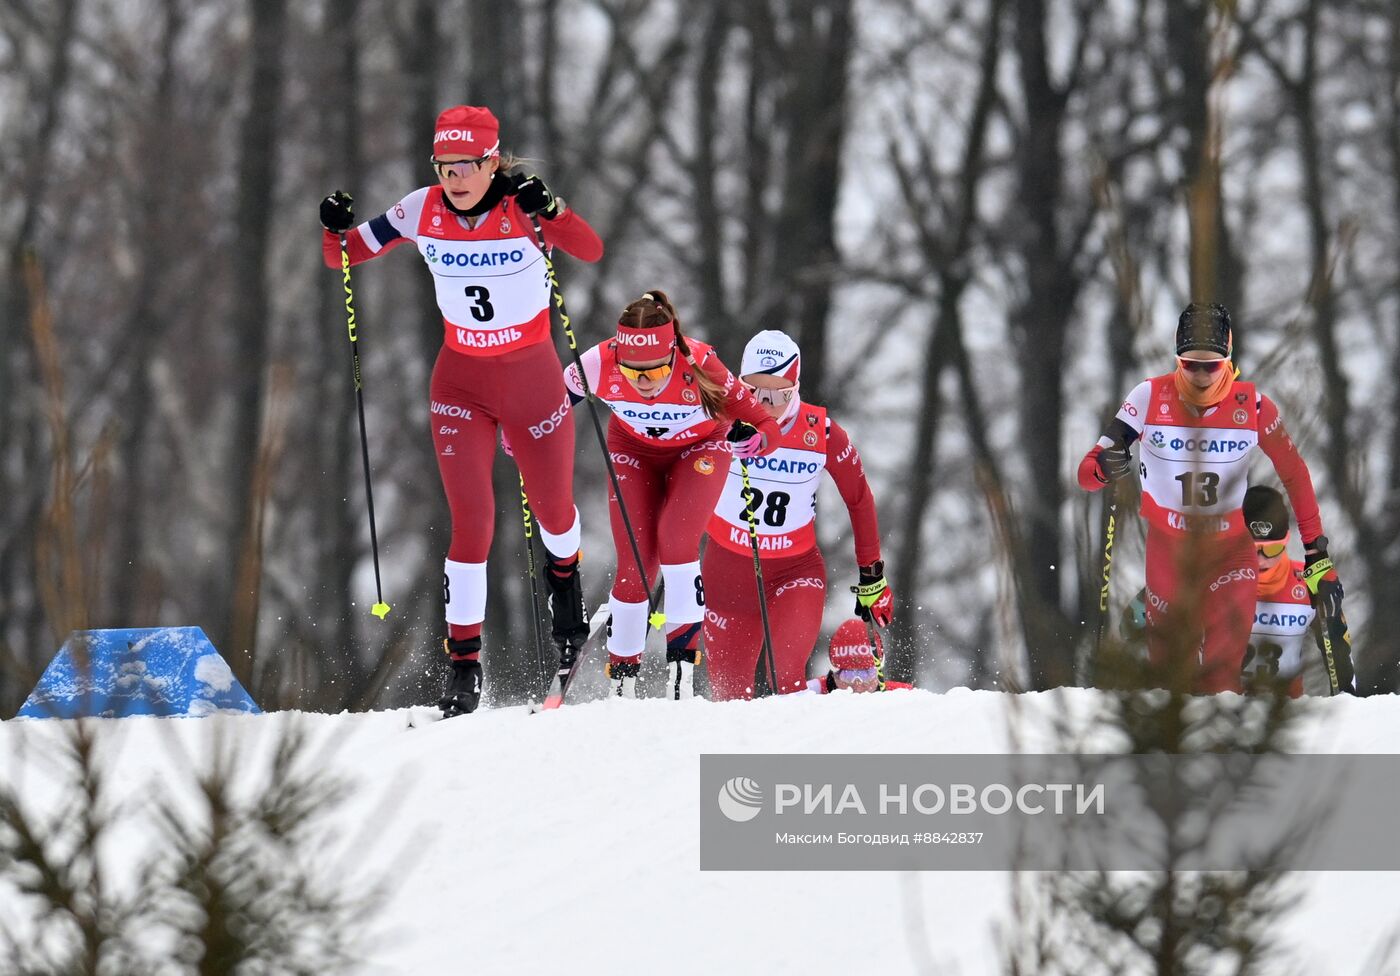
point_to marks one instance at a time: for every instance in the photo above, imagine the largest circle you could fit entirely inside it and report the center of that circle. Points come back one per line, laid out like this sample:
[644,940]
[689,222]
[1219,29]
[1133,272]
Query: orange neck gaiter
[1272,578]
[1212,394]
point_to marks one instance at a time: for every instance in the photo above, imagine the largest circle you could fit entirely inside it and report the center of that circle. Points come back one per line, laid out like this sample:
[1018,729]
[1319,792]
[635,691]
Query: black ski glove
[874,598]
[1322,580]
[338,212]
[535,198]
[1115,461]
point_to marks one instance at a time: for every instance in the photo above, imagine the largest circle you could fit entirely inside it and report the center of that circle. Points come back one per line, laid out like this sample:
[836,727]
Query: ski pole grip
[741,431]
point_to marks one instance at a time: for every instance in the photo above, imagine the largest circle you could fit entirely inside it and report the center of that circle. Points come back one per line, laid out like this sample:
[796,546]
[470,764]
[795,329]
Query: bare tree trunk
[250,326]
[146,326]
[22,615]
[1215,269]
[758,137]
[954,275]
[544,110]
[1040,325]
[708,209]
[1379,659]
[340,516]
[814,118]
[494,76]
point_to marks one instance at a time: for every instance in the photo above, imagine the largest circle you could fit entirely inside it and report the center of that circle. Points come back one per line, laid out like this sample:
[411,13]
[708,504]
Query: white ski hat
[772,352]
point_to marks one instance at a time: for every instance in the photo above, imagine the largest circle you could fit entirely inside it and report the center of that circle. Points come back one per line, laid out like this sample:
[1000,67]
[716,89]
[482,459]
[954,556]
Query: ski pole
[380,608]
[737,432]
[654,617]
[1110,504]
[876,644]
[530,564]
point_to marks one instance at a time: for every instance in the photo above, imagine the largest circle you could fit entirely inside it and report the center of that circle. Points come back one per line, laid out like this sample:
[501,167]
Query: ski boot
[463,691]
[570,628]
[680,666]
[622,678]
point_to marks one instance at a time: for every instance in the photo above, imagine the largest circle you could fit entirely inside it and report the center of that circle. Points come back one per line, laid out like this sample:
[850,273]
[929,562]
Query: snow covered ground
[569,840]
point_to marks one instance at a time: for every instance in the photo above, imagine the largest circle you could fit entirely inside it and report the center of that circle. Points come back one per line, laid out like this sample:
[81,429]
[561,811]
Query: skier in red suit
[1197,429]
[783,497]
[672,402]
[1284,616]
[497,367]
[855,652]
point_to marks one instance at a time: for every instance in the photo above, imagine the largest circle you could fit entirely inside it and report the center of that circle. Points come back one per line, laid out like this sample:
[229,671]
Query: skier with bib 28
[475,230]
[783,498]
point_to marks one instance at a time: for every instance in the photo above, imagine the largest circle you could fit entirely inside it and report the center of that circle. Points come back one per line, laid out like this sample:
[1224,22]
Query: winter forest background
[979,218]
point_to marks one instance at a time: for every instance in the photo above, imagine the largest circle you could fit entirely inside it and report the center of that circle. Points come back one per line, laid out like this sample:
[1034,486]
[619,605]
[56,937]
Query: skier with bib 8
[672,401]
[782,498]
[475,230]
[1197,429]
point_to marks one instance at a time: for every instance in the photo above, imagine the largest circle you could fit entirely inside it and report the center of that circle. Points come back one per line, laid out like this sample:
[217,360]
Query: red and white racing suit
[497,368]
[1194,467]
[1283,619]
[671,458]
[783,497]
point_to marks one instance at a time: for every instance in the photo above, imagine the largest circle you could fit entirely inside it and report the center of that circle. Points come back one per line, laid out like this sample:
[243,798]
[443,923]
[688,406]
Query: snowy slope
[568,840]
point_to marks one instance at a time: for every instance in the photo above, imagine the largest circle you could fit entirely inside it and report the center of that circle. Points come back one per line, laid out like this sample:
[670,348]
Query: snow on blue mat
[146,671]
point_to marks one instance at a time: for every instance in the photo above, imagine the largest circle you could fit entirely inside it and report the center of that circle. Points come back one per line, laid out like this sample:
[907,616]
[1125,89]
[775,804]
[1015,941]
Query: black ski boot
[570,630]
[463,691]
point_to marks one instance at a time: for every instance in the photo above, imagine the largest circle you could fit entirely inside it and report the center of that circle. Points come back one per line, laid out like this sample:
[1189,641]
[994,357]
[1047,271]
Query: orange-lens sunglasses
[656,373]
[1269,550]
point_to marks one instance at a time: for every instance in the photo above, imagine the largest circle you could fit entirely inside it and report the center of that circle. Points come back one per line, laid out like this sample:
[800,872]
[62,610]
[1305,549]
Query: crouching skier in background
[1197,428]
[1284,614]
[497,366]
[783,499]
[672,401]
[857,654]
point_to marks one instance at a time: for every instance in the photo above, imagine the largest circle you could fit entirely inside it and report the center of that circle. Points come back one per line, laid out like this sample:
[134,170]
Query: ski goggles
[460,168]
[1208,366]
[1271,548]
[864,679]
[780,397]
[654,373]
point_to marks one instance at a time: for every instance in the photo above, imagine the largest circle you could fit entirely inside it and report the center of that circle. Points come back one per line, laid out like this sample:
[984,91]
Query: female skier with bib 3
[475,230]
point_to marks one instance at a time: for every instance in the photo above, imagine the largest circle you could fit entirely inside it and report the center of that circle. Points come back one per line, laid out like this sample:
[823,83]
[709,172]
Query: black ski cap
[1265,514]
[1204,327]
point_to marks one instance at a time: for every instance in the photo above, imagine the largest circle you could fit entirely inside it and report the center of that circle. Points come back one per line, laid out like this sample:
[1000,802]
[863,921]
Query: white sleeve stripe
[1133,412]
[367,235]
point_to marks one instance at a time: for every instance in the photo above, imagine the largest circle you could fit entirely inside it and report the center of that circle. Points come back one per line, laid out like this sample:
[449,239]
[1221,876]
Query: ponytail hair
[654,310]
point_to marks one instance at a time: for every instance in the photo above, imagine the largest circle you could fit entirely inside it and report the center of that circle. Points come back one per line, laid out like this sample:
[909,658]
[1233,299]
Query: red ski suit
[497,368]
[1194,467]
[783,493]
[671,459]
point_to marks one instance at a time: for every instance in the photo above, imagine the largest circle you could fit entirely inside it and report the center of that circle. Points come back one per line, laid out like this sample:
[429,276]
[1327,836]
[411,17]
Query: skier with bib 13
[475,230]
[1197,429]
